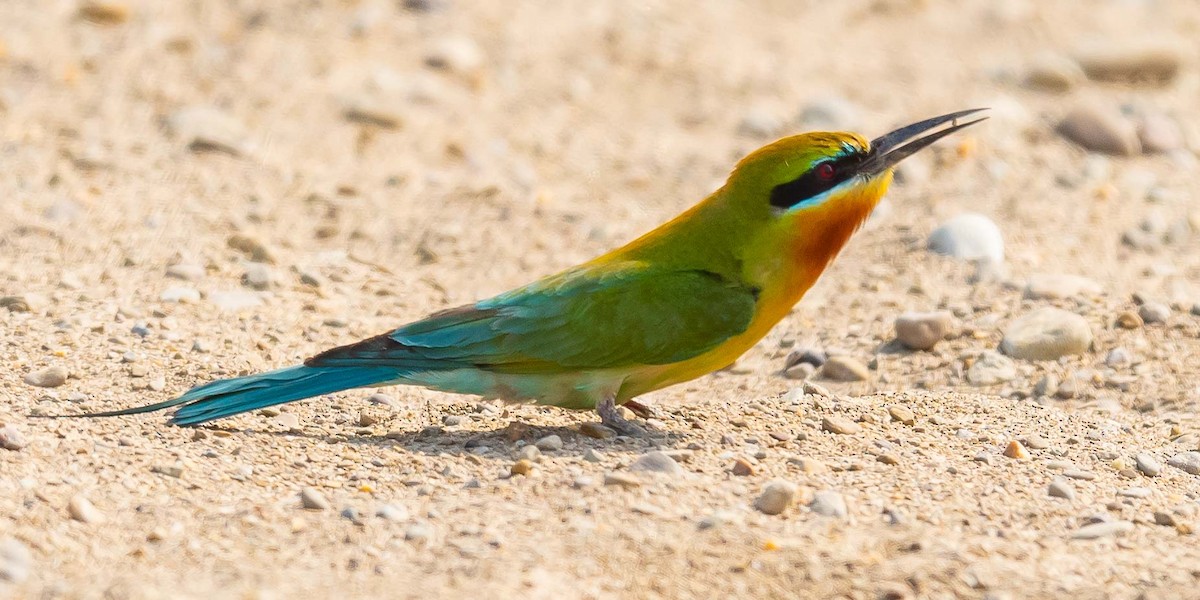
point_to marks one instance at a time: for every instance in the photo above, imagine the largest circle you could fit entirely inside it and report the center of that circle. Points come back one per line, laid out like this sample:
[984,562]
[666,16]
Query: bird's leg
[639,409]
[611,416]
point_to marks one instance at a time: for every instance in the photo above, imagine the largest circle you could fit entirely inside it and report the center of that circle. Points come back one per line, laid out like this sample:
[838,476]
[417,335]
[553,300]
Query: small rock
[1046,386]
[800,371]
[168,470]
[1081,475]
[418,533]
[288,421]
[392,512]
[1154,312]
[1054,73]
[1118,357]
[17,304]
[1061,488]
[16,562]
[1128,320]
[624,480]
[776,497]
[1016,450]
[991,368]
[844,368]
[382,400]
[82,510]
[828,503]
[452,420]
[1101,130]
[312,499]
[969,236]
[254,249]
[742,467]
[366,419]
[1135,492]
[1186,461]
[656,462]
[1068,389]
[1147,464]
[456,54]
[597,430]
[550,443]
[11,438]
[805,356]
[1056,287]
[1159,134]
[902,414]
[592,455]
[204,128]
[185,271]
[104,12]
[842,425]
[1047,334]
[529,453]
[922,331]
[258,276]
[1102,529]
[1165,519]
[50,377]
[373,108]
[1036,442]
[718,519]
[1157,63]
[888,458]
[522,467]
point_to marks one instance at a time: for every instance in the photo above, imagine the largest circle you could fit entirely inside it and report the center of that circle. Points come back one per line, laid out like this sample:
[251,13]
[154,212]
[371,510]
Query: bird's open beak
[894,147]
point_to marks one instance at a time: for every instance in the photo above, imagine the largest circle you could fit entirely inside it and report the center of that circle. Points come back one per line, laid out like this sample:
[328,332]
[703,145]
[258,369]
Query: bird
[684,300]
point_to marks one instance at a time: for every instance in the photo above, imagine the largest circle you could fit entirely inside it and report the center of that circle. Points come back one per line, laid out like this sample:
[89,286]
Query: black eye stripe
[810,184]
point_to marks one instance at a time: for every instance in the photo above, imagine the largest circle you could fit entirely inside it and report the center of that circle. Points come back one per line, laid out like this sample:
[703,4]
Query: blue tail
[228,397]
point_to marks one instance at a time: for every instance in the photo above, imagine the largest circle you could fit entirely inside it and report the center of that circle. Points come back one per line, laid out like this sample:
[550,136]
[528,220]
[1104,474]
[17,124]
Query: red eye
[825,171]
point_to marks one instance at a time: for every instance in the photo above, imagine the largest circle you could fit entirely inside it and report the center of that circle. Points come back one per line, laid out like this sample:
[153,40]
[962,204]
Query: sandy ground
[201,189]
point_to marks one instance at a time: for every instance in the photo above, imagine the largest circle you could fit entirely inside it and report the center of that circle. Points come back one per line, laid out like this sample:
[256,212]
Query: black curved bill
[889,149]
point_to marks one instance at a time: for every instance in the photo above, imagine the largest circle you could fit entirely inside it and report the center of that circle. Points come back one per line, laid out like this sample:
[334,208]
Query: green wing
[596,318]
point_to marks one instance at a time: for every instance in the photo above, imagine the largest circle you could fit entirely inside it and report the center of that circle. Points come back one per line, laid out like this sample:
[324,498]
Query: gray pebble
[1103,529]
[1186,461]
[452,420]
[11,438]
[392,512]
[312,499]
[1061,488]
[550,443]
[991,368]
[1154,312]
[1100,129]
[383,400]
[923,330]
[828,503]
[969,236]
[258,276]
[1118,357]
[529,453]
[50,377]
[593,455]
[844,368]
[803,355]
[776,497]
[656,462]
[16,562]
[1047,334]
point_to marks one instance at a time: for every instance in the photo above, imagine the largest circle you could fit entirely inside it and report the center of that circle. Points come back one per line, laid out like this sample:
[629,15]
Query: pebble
[1046,386]
[258,276]
[828,503]
[800,372]
[255,249]
[522,467]
[1147,465]
[373,108]
[288,421]
[50,377]
[718,519]
[1016,450]
[392,512]
[902,414]
[1100,129]
[235,301]
[624,480]
[1128,320]
[1118,357]
[991,368]
[1080,475]
[529,453]
[776,497]
[312,499]
[1186,461]
[1102,529]
[969,236]
[1154,313]
[452,420]
[418,533]
[802,355]
[1054,73]
[597,430]
[185,271]
[455,54]
[180,294]
[656,462]
[1135,492]
[1159,134]
[382,399]
[808,465]
[592,455]
[742,467]
[923,330]
[1061,488]
[104,12]
[16,562]
[17,304]
[1047,334]
[888,458]
[204,128]
[1059,286]
[550,443]
[841,425]
[81,509]
[1036,442]
[11,438]
[1158,64]
[844,368]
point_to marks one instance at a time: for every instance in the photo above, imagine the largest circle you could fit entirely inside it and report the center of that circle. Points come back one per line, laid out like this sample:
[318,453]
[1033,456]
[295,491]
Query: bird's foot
[610,415]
